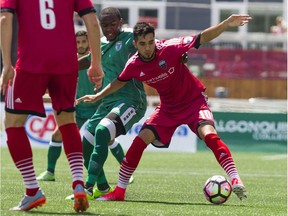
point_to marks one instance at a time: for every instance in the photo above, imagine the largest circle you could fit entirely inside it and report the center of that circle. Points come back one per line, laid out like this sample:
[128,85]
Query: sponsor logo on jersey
[171,70]
[163,64]
[142,74]
[118,45]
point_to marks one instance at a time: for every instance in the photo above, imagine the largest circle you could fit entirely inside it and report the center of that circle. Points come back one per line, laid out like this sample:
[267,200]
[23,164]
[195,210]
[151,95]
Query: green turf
[166,183]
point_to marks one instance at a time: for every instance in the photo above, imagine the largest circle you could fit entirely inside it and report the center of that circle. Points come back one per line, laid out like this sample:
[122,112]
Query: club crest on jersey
[118,45]
[188,40]
[163,64]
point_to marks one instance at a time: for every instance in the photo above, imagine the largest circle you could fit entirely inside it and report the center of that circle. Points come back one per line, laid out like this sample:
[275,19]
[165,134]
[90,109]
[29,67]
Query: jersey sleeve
[84,7]
[124,75]
[183,44]
[127,72]
[8,6]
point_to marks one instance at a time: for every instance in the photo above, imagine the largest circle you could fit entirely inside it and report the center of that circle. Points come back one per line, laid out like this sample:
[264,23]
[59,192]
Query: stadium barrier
[254,125]
[40,130]
[242,125]
[242,131]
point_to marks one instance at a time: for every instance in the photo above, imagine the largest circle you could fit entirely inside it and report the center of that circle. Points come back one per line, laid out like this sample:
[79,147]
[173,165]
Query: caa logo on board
[41,129]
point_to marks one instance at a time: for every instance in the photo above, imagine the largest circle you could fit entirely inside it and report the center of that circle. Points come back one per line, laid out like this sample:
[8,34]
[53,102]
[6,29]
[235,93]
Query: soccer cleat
[97,193]
[131,180]
[81,203]
[70,197]
[89,195]
[46,176]
[238,188]
[117,195]
[29,202]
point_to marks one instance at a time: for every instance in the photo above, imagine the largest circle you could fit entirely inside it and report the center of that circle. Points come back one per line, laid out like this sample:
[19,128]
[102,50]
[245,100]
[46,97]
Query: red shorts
[163,126]
[25,95]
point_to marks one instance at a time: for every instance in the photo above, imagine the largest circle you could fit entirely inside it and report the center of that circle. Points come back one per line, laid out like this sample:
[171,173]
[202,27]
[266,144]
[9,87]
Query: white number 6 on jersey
[47,14]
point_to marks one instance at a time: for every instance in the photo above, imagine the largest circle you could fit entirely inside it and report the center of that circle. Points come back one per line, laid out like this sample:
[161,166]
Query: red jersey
[46,37]
[176,85]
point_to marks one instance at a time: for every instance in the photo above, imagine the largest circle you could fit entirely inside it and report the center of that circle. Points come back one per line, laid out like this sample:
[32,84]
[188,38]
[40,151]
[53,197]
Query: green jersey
[85,87]
[115,54]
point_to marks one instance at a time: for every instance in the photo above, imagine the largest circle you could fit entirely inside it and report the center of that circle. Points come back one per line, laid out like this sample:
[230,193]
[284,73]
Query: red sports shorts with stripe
[25,95]
[164,125]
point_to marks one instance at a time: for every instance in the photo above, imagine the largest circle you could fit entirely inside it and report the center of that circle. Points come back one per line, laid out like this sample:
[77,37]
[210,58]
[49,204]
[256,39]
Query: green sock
[100,153]
[54,152]
[102,183]
[87,151]
[117,151]
[89,187]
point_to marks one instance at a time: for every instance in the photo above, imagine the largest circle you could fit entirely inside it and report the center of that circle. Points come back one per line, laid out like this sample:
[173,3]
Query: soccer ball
[217,189]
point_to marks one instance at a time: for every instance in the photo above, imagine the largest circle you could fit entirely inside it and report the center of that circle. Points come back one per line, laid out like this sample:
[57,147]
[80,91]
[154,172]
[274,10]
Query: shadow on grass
[60,213]
[74,213]
[179,203]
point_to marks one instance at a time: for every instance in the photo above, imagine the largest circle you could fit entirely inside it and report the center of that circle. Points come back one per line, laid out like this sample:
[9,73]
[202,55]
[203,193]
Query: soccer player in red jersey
[182,99]
[47,59]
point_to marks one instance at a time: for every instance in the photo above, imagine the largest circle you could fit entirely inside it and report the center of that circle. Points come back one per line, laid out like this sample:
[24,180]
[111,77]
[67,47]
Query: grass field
[166,183]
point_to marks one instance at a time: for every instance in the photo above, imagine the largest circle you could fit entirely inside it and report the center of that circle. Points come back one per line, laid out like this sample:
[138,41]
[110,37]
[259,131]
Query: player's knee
[14,120]
[100,131]
[106,127]
[57,136]
[102,135]
[205,128]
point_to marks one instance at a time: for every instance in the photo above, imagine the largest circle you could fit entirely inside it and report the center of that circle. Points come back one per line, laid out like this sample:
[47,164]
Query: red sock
[135,152]
[18,144]
[71,138]
[222,154]
[218,147]
[73,149]
[21,153]
[131,161]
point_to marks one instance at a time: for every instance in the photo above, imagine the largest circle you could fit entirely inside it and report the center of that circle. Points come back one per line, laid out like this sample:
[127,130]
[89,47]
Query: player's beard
[147,58]
[82,50]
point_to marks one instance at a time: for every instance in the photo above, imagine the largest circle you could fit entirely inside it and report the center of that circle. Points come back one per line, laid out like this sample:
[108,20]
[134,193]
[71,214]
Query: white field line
[275,157]
[179,173]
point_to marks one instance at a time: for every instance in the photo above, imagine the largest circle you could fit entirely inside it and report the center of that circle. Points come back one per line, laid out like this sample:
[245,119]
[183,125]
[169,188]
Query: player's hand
[88,99]
[238,20]
[96,75]
[6,77]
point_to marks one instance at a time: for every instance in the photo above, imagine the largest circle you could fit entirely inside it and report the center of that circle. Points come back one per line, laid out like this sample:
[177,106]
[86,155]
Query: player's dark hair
[110,11]
[81,33]
[142,29]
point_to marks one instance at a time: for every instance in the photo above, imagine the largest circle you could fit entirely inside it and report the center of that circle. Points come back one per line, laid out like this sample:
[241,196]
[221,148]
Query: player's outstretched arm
[234,20]
[109,89]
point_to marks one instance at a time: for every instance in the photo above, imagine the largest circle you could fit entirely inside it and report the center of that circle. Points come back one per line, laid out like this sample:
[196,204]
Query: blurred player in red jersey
[40,67]
[182,99]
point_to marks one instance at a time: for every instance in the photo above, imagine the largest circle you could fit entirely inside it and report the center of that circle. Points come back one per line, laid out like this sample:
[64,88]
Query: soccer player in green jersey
[84,111]
[118,112]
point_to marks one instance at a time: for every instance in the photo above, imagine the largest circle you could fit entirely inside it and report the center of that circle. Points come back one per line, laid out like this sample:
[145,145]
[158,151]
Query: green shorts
[85,113]
[120,108]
